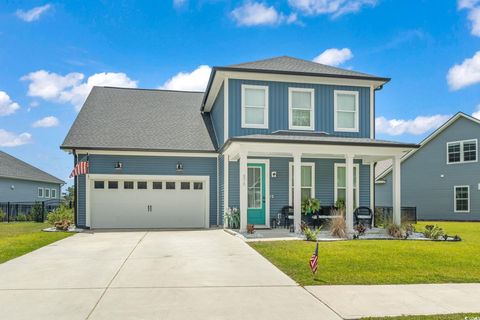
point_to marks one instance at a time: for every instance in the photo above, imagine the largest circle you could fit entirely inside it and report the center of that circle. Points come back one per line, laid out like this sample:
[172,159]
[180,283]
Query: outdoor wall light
[179,167]
[118,166]
[12,187]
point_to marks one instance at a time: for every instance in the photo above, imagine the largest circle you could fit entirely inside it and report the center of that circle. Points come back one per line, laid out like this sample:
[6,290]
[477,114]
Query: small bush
[61,218]
[360,229]
[37,212]
[311,235]
[21,218]
[433,232]
[2,215]
[396,231]
[231,218]
[338,226]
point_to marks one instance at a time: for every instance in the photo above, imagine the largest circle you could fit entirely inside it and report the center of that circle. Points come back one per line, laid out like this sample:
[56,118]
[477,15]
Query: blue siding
[221,189]
[24,190]
[217,116]
[150,165]
[278,107]
[324,182]
[423,185]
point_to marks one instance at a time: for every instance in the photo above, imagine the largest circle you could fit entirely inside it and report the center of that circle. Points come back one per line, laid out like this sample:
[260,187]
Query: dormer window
[346,111]
[301,109]
[254,106]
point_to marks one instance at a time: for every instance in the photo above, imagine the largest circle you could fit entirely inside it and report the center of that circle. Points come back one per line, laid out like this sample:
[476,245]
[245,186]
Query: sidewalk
[354,302]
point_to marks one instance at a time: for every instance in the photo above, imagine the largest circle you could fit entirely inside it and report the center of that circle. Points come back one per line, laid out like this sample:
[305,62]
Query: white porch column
[297,191]
[396,190]
[243,192]
[349,192]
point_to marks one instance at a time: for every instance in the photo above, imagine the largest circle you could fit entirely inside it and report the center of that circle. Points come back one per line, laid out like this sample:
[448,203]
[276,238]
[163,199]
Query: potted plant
[309,207]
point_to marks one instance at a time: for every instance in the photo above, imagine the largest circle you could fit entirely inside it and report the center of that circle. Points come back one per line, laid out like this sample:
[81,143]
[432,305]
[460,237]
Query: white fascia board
[151,153]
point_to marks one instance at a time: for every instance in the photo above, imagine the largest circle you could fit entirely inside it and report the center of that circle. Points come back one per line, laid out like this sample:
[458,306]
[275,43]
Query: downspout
[75,189]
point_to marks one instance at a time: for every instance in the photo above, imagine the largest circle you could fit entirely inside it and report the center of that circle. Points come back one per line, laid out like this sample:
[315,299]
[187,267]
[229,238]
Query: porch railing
[384,215]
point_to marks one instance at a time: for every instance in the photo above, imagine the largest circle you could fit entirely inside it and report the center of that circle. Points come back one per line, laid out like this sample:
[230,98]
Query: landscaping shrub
[311,235]
[338,226]
[37,212]
[396,231]
[2,215]
[231,218]
[21,218]
[61,218]
[433,232]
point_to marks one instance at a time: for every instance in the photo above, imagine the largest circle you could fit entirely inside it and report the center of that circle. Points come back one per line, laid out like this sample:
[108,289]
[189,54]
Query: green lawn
[19,238]
[457,316]
[382,261]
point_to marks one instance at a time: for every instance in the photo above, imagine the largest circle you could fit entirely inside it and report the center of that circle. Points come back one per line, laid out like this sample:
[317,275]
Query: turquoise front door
[256,194]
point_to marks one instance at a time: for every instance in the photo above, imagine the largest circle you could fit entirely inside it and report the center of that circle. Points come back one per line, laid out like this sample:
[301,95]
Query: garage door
[159,202]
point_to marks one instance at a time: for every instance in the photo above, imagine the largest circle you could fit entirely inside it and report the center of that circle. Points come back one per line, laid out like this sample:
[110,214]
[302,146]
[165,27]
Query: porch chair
[284,217]
[363,215]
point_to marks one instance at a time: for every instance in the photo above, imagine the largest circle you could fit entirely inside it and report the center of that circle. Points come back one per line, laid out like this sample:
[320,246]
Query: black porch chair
[363,215]
[283,218]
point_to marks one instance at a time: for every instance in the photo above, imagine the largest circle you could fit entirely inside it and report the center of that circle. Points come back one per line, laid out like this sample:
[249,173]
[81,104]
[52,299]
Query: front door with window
[256,194]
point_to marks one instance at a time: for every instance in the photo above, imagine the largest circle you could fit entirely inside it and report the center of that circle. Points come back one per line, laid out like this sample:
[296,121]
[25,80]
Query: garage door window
[198,185]
[170,185]
[157,185]
[185,185]
[128,185]
[142,185]
[99,185]
[112,184]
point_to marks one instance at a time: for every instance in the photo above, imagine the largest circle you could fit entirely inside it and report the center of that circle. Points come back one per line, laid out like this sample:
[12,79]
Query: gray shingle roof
[11,167]
[138,119]
[382,166]
[294,65]
[319,138]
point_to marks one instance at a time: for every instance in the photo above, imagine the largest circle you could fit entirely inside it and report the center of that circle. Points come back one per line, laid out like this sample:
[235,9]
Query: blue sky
[51,53]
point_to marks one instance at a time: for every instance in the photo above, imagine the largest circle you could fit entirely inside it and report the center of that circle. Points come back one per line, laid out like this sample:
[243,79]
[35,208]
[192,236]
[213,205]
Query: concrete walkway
[354,302]
[152,275]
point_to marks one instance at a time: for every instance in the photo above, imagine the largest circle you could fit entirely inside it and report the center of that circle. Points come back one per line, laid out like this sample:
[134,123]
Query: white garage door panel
[148,208]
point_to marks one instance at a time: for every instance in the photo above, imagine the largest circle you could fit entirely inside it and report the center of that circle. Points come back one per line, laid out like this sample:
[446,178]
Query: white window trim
[52,192]
[43,193]
[312,110]
[461,142]
[357,107]
[356,187]
[290,178]
[455,199]
[265,111]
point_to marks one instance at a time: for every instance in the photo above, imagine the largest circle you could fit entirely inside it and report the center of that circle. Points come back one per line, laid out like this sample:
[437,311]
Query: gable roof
[386,165]
[141,119]
[11,167]
[287,66]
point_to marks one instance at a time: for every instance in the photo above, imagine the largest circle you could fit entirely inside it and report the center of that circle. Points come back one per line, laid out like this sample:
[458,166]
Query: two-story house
[441,178]
[263,135]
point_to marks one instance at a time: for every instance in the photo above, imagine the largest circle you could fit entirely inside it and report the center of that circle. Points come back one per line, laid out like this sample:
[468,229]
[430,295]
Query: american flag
[80,168]
[314,260]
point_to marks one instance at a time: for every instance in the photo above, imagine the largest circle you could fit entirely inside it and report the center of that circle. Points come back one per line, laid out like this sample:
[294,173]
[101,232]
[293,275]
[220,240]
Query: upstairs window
[301,109]
[254,106]
[346,111]
[462,151]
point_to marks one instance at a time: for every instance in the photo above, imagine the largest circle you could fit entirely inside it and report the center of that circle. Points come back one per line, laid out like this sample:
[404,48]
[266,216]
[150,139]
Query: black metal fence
[384,215]
[28,211]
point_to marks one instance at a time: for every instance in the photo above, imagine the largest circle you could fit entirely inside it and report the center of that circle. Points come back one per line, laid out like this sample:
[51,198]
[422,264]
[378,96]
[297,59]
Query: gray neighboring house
[441,178]
[22,182]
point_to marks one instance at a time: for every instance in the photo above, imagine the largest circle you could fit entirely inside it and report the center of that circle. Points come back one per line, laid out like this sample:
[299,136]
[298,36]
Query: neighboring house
[442,178]
[262,136]
[22,182]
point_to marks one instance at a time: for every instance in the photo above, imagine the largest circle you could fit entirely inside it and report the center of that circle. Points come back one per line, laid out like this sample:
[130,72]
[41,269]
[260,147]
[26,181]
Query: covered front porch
[262,175]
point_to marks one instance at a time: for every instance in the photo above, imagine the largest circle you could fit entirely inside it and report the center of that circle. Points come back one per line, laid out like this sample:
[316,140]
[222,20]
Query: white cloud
[46,122]
[189,81]
[7,106]
[334,57]
[179,3]
[335,8]
[11,139]
[257,14]
[71,88]
[476,113]
[417,126]
[465,74]
[33,14]
[473,8]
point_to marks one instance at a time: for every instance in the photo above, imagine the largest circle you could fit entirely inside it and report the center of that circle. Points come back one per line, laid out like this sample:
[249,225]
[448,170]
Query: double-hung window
[341,183]
[254,106]
[40,192]
[462,151]
[307,182]
[462,199]
[346,116]
[301,109]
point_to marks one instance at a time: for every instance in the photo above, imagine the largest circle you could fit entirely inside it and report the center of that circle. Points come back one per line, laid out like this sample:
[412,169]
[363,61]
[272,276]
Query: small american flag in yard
[314,260]
[80,168]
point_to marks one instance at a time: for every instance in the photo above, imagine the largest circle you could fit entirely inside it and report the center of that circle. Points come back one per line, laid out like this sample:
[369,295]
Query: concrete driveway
[152,275]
